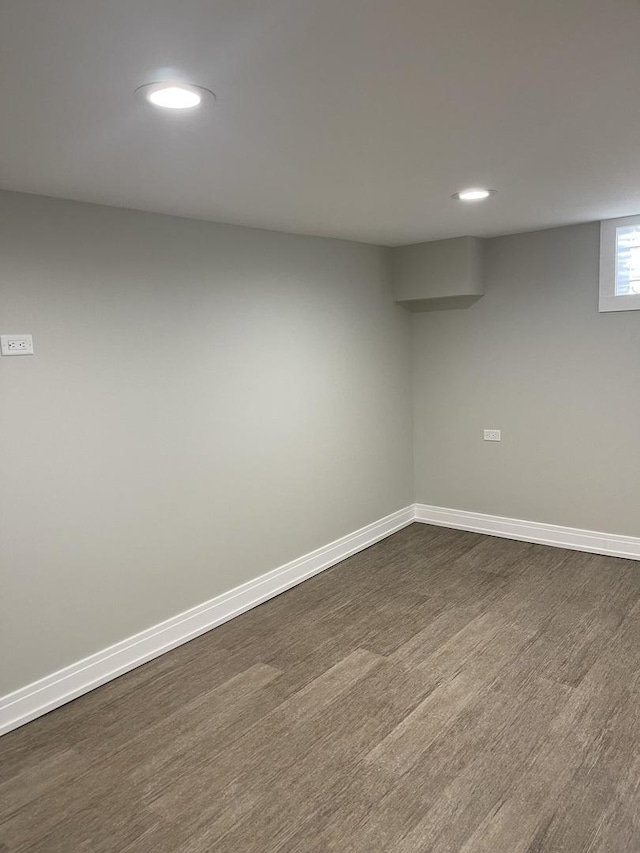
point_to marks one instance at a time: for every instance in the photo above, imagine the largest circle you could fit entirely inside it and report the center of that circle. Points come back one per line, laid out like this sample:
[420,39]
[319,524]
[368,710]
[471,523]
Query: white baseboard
[611,544]
[54,690]
[66,684]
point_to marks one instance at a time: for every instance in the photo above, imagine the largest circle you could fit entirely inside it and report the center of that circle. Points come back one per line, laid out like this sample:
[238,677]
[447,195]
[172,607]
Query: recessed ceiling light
[174,96]
[474,194]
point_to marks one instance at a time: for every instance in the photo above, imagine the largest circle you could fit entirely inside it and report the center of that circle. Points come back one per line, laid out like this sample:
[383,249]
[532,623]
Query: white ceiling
[348,118]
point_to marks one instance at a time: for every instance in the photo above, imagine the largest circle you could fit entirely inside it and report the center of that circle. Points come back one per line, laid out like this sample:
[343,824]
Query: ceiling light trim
[178,96]
[474,194]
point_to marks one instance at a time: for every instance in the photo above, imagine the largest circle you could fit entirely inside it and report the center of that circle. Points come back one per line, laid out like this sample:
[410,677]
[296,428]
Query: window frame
[608,300]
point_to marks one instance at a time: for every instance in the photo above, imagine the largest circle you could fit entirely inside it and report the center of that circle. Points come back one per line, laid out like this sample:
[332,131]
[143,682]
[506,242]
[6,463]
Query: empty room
[319,418]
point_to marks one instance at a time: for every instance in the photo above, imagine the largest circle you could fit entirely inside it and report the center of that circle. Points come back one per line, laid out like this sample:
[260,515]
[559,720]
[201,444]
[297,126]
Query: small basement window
[620,264]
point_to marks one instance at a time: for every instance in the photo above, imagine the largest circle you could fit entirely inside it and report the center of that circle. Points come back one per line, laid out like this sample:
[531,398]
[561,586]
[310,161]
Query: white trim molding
[66,684]
[610,544]
[53,690]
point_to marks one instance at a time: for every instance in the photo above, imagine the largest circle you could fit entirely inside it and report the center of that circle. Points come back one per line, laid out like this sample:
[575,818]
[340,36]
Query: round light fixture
[474,194]
[174,96]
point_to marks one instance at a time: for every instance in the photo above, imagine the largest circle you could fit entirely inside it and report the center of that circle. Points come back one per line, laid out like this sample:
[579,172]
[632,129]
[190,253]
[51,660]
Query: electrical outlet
[492,435]
[16,344]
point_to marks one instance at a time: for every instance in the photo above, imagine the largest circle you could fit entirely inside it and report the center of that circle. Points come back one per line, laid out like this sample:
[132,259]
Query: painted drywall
[535,359]
[442,269]
[206,402]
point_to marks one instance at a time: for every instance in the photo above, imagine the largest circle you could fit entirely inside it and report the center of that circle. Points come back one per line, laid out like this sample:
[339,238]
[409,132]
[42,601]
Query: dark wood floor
[441,691]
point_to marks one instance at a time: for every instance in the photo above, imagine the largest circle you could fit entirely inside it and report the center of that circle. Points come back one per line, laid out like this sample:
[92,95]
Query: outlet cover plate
[492,435]
[16,344]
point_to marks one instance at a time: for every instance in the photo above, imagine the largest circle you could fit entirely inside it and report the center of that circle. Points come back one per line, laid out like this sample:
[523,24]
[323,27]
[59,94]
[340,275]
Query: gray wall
[208,402]
[205,403]
[534,358]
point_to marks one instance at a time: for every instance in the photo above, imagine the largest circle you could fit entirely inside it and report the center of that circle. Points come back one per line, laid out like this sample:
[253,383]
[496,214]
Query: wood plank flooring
[440,691]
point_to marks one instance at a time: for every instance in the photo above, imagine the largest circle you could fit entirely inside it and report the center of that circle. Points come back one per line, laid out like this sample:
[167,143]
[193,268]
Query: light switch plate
[492,435]
[16,344]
